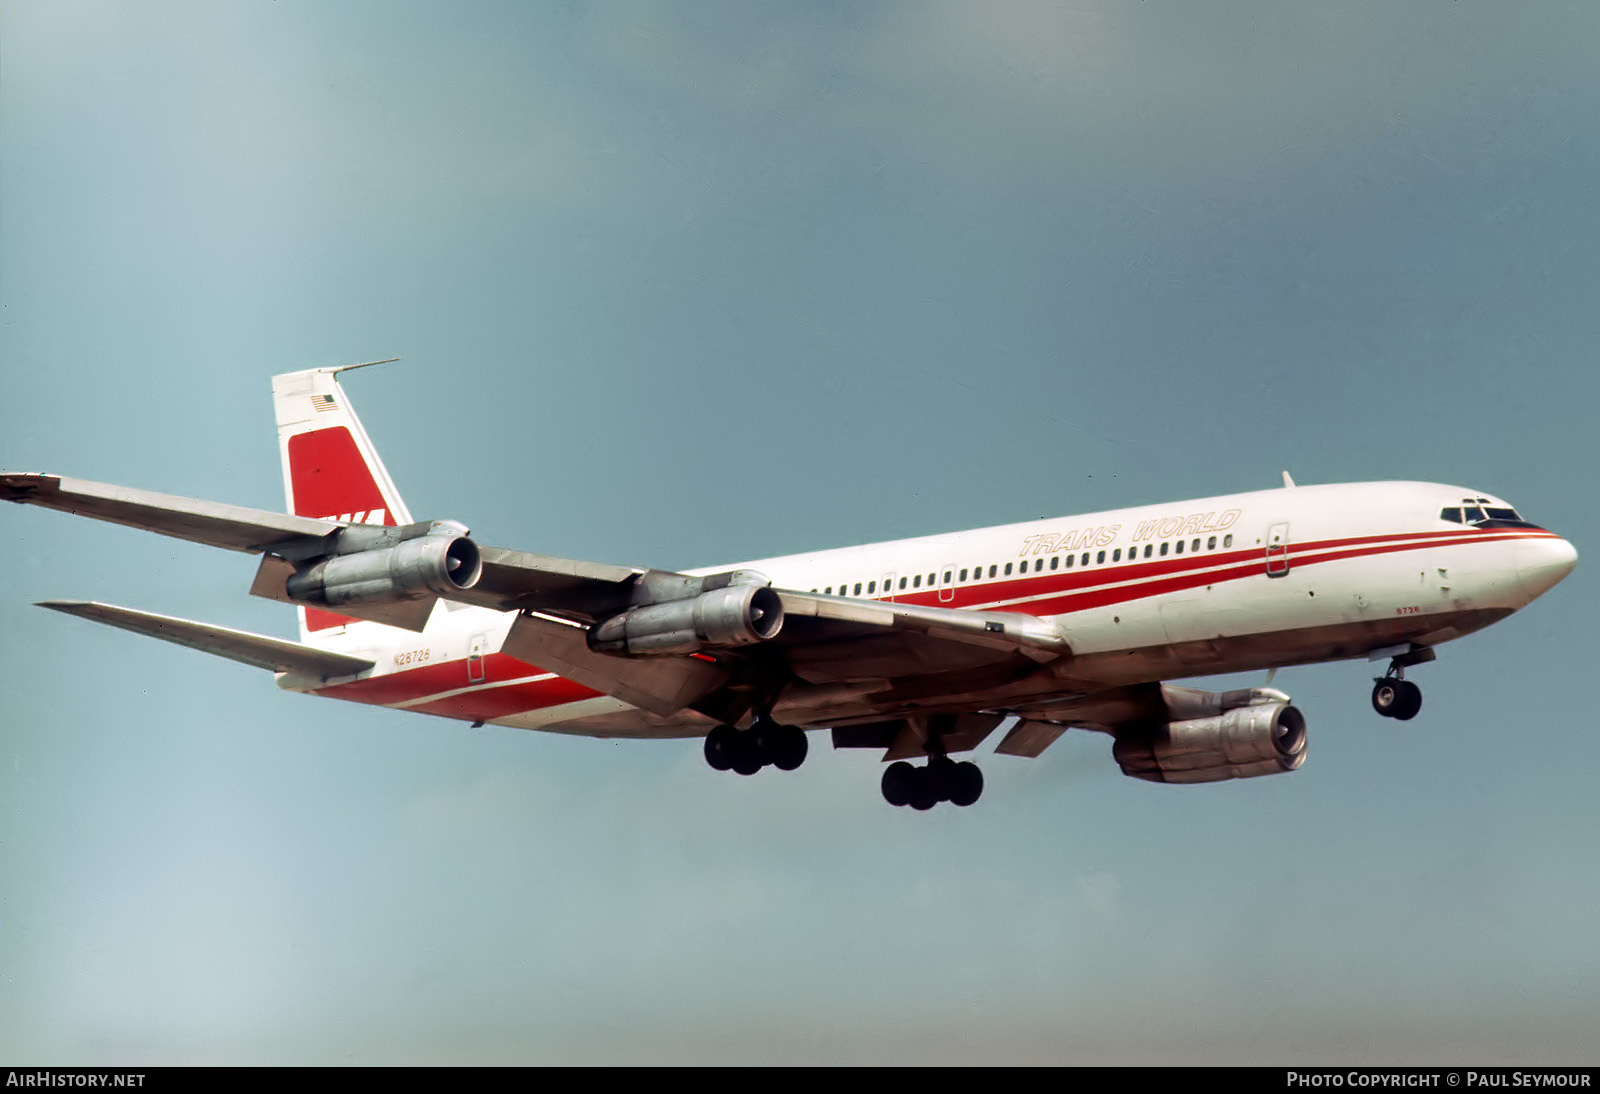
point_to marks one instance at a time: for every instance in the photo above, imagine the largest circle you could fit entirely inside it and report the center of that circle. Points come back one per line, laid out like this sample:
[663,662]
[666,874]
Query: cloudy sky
[680,284]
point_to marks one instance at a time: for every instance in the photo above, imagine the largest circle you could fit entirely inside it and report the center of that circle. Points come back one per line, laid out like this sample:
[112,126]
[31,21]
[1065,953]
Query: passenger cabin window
[1101,557]
[1179,549]
[1163,550]
[1211,544]
[916,582]
[1055,562]
[902,583]
[1148,547]
[1227,540]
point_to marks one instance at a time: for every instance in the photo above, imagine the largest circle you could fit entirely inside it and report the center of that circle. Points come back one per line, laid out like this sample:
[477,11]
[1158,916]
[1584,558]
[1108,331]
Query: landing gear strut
[941,780]
[748,751]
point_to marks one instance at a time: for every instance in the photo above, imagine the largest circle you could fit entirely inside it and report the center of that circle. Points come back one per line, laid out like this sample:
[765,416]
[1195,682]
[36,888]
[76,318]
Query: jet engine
[439,563]
[734,615]
[1262,739]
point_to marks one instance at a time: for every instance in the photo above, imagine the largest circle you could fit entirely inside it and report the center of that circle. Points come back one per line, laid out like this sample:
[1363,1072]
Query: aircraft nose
[1543,562]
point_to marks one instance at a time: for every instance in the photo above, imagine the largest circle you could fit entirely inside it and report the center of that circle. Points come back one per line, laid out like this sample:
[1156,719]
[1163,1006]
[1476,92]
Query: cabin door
[1278,550]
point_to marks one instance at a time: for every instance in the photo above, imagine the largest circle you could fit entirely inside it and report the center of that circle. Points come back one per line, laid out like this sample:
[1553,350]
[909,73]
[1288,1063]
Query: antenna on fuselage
[1287,481]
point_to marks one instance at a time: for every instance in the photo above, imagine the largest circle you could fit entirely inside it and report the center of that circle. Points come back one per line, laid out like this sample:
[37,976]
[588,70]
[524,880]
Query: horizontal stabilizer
[251,649]
[233,527]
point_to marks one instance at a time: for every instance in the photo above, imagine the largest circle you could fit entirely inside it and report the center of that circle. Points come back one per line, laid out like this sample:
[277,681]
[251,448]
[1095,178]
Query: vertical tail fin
[331,471]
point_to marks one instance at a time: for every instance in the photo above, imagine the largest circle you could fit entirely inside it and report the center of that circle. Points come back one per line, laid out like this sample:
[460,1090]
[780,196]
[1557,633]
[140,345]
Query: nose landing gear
[1393,697]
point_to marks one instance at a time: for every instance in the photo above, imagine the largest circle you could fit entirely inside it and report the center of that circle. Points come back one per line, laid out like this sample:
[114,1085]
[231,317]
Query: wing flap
[663,686]
[259,650]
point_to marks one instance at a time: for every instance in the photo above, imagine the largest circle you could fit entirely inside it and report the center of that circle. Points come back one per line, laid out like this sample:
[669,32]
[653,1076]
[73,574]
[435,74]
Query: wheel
[1407,702]
[786,747]
[720,745]
[897,780]
[966,784]
[924,789]
[1385,696]
[941,775]
[746,757]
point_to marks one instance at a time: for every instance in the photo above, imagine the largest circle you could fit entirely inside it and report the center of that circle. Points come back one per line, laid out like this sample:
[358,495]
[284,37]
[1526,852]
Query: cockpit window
[1480,514]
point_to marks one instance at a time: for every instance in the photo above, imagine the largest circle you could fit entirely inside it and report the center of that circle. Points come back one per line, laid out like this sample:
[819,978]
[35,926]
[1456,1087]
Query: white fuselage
[1239,582]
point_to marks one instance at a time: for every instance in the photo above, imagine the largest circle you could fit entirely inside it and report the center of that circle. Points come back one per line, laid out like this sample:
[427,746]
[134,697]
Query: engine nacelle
[734,615]
[1263,739]
[429,565]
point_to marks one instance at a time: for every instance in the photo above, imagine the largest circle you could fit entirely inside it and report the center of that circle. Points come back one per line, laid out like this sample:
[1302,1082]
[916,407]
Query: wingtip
[20,485]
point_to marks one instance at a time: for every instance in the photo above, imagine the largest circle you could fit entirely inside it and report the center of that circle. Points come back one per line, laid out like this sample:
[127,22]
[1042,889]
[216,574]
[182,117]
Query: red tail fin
[330,469]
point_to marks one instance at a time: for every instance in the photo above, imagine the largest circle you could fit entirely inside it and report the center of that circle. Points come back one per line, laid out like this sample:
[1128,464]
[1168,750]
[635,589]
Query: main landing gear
[749,750]
[942,780]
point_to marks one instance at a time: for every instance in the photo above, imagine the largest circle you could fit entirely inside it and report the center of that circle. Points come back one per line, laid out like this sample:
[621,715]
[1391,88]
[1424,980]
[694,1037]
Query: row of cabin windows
[997,570]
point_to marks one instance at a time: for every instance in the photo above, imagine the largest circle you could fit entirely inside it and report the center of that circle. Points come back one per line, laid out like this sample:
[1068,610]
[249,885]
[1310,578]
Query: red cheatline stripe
[418,683]
[1023,593]
[497,702]
[1096,598]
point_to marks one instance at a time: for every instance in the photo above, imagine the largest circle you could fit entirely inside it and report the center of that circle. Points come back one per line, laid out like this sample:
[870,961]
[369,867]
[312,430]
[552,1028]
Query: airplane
[919,648]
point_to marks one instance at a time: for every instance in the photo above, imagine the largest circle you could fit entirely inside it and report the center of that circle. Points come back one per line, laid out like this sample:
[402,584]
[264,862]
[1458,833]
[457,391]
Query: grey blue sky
[679,284]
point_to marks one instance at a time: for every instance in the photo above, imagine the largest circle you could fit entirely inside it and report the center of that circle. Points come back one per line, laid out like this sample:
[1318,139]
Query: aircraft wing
[250,649]
[823,640]
[213,523]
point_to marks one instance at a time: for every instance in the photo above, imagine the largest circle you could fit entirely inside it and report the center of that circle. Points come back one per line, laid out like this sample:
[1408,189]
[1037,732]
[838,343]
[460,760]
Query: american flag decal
[324,402]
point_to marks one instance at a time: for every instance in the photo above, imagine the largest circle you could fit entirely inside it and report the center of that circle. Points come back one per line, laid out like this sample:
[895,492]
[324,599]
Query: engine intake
[1262,739]
[438,564]
[734,615]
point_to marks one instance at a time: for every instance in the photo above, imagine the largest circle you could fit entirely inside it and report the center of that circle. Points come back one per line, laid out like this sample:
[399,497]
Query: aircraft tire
[720,746]
[747,758]
[787,747]
[924,789]
[1408,703]
[965,784]
[897,780]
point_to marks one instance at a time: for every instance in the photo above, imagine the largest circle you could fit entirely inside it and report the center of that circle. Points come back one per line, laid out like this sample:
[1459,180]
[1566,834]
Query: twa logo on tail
[376,516]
